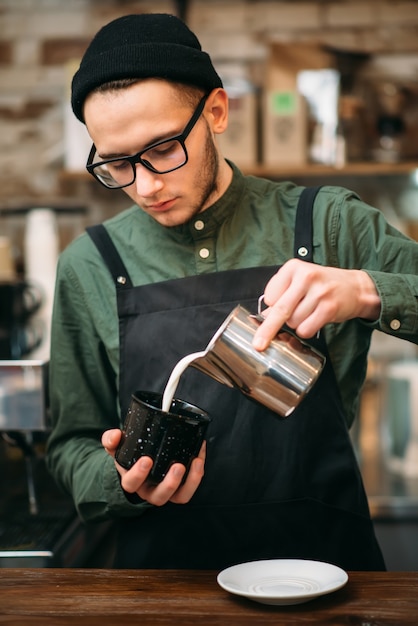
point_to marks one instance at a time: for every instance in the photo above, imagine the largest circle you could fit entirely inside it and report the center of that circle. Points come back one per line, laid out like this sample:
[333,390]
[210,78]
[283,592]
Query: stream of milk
[173,381]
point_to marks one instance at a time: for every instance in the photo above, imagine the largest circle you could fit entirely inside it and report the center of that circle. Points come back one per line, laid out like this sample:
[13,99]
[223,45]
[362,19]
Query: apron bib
[273,487]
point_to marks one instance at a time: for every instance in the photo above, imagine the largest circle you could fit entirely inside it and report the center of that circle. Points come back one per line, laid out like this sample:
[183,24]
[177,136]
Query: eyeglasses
[161,157]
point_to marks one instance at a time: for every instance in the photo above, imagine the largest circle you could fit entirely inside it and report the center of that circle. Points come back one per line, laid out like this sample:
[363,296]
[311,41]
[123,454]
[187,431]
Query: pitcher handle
[260,318]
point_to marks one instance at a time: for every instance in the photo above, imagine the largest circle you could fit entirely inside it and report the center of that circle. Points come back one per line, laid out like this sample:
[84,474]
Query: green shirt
[252,224]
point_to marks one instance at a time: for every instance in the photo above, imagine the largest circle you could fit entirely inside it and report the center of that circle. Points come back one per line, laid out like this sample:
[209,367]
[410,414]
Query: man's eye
[164,149]
[118,166]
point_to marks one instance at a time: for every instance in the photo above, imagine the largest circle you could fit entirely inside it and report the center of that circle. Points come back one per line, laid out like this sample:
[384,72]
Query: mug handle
[25,339]
[34,298]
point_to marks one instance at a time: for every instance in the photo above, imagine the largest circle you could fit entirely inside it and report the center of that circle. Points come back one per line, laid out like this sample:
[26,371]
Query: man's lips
[160,207]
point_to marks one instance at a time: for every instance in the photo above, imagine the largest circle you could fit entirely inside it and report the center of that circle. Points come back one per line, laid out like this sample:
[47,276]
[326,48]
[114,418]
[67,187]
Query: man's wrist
[369,299]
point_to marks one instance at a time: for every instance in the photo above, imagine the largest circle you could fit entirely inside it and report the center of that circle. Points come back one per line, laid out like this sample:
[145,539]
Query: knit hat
[147,45]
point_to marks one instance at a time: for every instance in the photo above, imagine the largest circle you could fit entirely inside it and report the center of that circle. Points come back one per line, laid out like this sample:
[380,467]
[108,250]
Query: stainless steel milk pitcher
[279,377]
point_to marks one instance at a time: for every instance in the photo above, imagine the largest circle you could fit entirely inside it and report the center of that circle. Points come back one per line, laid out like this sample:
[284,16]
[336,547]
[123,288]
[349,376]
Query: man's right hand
[170,489]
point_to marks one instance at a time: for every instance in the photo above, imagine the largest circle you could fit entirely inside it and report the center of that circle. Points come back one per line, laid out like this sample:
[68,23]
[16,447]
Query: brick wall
[40,38]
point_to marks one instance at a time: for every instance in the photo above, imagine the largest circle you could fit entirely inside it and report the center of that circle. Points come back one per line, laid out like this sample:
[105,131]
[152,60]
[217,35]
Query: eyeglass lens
[162,158]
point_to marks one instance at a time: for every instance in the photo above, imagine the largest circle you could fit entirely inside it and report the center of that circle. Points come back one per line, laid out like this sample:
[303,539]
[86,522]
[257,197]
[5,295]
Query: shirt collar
[217,213]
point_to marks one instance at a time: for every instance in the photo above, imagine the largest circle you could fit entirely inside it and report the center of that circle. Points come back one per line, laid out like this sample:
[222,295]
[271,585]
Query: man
[199,239]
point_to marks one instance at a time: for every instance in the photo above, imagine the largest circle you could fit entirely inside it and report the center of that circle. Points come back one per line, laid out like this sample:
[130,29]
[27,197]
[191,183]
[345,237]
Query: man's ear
[217,110]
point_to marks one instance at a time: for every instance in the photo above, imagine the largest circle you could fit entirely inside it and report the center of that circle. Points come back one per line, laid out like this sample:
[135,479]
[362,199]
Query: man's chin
[170,219]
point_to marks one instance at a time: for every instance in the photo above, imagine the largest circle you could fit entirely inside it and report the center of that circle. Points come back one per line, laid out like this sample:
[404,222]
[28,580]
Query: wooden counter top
[58,597]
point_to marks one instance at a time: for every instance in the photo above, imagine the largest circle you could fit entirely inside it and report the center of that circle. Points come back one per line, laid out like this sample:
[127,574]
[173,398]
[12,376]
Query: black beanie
[147,45]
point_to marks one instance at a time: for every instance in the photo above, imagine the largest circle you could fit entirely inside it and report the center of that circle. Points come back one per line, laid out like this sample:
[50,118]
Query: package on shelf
[239,142]
[286,123]
[77,142]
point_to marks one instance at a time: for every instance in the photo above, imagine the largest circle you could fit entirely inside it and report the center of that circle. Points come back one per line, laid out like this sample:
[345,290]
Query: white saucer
[282,581]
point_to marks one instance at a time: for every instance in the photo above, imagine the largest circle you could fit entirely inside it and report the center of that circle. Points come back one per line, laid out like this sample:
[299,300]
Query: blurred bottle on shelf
[390,124]
[351,127]
[41,248]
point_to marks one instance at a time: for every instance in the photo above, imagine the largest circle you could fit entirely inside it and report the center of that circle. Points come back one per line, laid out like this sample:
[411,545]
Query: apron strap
[303,243]
[111,256]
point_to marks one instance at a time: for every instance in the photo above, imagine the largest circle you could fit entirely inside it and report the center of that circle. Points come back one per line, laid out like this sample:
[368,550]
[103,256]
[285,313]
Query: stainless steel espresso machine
[38,524]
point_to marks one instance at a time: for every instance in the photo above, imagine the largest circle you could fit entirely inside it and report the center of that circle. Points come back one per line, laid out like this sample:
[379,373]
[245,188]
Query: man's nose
[147,183]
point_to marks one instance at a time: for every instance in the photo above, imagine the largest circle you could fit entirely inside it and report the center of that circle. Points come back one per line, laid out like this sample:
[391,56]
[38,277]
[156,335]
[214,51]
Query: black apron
[273,487]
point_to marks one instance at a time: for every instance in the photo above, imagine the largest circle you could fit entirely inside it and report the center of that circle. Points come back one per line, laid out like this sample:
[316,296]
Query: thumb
[111,439]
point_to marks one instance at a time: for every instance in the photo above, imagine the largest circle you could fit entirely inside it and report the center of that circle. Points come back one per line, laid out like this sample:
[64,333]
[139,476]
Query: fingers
[160,494]
[305,296]
[135,477]
[171,488]
[194,477]
[284,293]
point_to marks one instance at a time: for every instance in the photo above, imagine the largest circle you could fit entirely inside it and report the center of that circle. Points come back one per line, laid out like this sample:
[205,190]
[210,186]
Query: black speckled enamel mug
[173,437]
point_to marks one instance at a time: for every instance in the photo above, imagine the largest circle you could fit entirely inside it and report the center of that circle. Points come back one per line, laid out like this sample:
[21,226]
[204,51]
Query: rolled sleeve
[399,300]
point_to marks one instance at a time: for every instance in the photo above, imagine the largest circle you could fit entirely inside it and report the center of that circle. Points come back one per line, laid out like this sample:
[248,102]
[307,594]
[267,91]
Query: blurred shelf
[368,168]
[69,175]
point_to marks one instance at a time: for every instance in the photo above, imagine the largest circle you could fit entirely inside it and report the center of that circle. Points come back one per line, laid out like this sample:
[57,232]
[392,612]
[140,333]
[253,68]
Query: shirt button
[199,224]
[395,324]
[203,253]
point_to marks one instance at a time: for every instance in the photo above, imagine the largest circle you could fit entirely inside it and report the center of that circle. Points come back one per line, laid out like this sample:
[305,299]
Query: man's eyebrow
[112,155]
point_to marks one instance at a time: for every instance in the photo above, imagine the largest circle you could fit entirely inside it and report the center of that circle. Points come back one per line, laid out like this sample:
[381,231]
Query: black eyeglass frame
[137,158]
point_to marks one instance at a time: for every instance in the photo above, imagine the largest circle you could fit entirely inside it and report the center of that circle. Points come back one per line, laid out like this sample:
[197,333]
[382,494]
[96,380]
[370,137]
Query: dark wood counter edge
[161,597]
